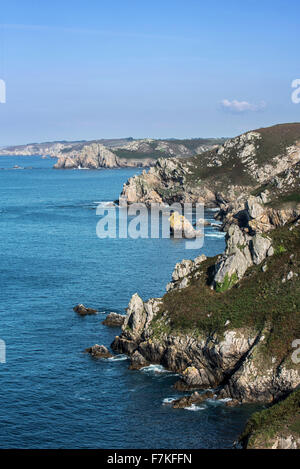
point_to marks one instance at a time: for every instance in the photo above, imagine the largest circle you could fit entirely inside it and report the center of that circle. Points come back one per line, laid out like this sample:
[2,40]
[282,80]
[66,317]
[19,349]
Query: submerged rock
[114,320]
[98,351]
[83,311]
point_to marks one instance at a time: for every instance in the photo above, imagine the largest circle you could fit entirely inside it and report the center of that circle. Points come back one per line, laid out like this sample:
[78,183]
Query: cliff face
[226,174]
[90,156]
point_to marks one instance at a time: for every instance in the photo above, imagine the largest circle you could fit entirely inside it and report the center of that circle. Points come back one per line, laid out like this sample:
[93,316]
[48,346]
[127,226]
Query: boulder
[254,208]
[137,361]
[259,246]
[181,226]
[98,351]
[114,320]
[194,378]
[83,311]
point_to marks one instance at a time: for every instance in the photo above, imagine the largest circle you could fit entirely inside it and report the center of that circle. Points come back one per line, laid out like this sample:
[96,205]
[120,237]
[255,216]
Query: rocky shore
[227,324]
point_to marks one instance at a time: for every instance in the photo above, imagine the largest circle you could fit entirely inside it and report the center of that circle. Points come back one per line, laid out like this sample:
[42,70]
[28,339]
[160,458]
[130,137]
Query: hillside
[112,153]
[249,163]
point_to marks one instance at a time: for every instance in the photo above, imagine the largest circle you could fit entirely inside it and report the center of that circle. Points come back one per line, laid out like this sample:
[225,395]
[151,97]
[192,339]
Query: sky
[87,69]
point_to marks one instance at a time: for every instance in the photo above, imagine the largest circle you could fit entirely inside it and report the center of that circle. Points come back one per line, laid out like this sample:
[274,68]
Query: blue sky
[89,69]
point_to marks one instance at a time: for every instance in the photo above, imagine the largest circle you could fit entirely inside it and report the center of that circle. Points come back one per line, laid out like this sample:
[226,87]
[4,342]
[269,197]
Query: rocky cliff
[112,153]
[255,162]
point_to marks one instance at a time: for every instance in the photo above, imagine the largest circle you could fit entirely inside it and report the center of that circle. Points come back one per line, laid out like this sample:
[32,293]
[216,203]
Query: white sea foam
[169,400]
[104,203]
[118,358]
[215,235]
[195,408]
[215,401]
[154,369]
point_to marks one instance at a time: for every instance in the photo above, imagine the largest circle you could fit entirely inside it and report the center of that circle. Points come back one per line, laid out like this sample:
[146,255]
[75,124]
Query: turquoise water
[52,394]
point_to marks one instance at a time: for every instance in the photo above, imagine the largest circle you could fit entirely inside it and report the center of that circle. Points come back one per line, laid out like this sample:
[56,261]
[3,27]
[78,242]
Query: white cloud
[241,106]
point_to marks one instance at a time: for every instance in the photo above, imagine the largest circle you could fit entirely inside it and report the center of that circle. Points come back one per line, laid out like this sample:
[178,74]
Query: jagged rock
[123,345]
[260,246]
[83,311]
[180,226]
[137,361]
[195,398]
[114,320]
[135,318]
[182,271]
[253,207]
[98,351]
[241,252]
[286,442]
[194,378]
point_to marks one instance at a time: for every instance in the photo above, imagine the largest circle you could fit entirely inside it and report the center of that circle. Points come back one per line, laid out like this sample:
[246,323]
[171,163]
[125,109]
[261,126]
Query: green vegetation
[138,155]
[281,419]
[275,139]
[260,300]
[280,249]
[194,143]
[227,283]
[273,143]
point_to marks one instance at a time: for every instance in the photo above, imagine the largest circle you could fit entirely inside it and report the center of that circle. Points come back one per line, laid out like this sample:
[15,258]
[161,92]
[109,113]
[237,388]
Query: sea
[52,394]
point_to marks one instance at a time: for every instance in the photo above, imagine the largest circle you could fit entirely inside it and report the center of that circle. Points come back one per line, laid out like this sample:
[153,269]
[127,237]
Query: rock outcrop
[193,400]
[184,271]
[98,351]
[242,251]
[83,311]
[92,156]
[114,320]
[225,175]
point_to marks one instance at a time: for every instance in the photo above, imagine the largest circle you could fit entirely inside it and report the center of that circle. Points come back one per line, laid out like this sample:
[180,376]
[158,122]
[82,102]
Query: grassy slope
[191,144]
[281,419]
[130,154]
[260,299]
[274,141]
